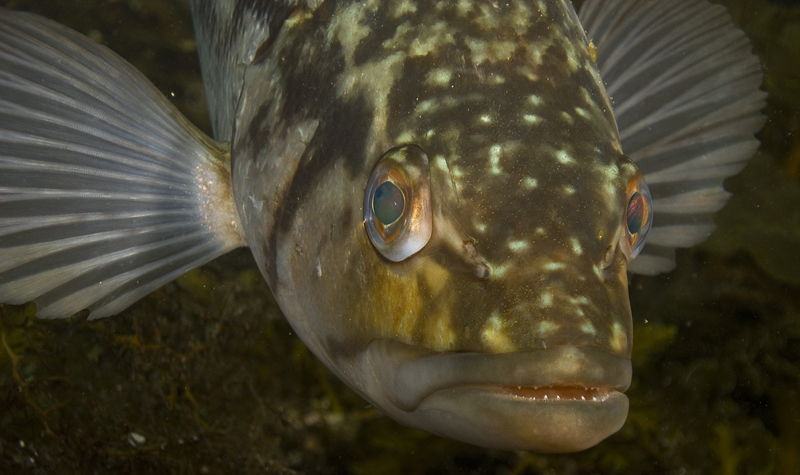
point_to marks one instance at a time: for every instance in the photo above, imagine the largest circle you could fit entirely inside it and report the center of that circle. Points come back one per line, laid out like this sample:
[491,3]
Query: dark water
[205,376]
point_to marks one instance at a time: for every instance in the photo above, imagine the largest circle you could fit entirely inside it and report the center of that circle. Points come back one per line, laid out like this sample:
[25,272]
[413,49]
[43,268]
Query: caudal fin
[106,191]
[685,91]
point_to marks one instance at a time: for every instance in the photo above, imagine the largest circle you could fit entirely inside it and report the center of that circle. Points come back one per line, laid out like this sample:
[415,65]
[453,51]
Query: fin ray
[104,190]
[685,91]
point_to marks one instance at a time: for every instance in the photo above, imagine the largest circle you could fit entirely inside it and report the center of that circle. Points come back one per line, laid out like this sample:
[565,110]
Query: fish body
[495,276]
[436,192]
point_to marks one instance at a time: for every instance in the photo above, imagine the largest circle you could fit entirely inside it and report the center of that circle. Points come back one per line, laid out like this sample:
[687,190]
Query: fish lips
[560,399]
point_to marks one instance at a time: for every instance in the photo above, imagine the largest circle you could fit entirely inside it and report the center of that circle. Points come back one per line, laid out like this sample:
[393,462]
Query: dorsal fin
[685,91]
[229,33]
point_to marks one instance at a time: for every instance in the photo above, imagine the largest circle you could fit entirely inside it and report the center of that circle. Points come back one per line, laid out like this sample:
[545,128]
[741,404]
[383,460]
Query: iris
[636,213]
[388,203]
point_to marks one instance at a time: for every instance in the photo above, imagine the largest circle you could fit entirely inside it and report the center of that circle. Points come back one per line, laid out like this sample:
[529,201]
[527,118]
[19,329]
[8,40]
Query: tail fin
[106,191]
[685,92]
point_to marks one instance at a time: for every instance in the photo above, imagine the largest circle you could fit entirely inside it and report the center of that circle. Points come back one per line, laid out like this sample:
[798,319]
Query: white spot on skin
[546,327]
[567,118]
[535,100]
[486,119]
[579,300]
[439,77]
[403,7]
[464,7]
[480,227]
[529,183]
[611,194]
[553,266]
[576,246]
[588,328]
[499,271]
[545,300]
[429,134]
[441,163]
[527,72]
[518,246]
[487,20]
[319,269]
[563,157]
[582,112]
[494,335]
[611,172]
[494,159]
[572,60]
[521,18]
[619,339]
[496,79]
[431,39]
[491,51]
[569,190]
[406,137]
[531,118]
[424,107]
[540,231]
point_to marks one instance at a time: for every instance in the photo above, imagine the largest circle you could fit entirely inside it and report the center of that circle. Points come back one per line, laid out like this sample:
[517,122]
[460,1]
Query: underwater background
[205,376]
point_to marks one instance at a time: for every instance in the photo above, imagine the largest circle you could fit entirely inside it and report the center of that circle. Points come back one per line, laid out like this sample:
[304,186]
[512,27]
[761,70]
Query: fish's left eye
[638,217]
[397,204]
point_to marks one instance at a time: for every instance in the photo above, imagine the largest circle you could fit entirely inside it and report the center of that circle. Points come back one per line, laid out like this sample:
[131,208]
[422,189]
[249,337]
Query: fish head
[437,197]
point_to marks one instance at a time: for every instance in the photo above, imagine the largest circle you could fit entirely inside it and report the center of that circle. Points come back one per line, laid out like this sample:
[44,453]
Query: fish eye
[388,203]
[397,204]
[638,217]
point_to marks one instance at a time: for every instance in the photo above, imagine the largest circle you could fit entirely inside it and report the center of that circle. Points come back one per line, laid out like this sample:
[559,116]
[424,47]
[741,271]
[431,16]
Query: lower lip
[557,393]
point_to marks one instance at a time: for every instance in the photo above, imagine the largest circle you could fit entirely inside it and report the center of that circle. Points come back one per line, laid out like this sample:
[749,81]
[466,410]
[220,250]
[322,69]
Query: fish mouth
[560,399]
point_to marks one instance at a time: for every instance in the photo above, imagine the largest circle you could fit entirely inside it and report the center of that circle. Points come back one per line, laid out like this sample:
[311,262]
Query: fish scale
[487,301]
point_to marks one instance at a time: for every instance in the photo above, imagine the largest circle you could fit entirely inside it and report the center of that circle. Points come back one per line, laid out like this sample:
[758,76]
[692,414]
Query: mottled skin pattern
[526,174]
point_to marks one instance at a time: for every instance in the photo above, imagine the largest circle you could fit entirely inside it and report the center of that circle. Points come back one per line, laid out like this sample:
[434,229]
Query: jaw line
[409,375]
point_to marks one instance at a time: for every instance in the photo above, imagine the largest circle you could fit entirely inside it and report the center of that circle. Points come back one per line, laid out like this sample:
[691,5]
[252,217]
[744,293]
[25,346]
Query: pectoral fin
[685,91]
[106,191]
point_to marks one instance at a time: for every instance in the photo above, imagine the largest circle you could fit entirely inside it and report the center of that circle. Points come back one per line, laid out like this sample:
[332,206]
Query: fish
[445,198]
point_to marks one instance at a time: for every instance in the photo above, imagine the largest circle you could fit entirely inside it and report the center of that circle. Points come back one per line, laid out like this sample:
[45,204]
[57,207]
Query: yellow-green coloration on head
[506,323]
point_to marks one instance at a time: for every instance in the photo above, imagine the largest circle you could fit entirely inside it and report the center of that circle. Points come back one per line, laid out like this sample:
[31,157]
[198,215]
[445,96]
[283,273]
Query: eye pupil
[636,213]
[388,203]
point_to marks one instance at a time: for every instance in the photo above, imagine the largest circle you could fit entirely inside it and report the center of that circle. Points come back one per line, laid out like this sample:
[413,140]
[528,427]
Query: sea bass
[445,198]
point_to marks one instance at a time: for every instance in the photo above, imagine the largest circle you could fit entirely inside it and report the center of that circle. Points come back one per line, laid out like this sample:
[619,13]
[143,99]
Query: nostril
[470,249]
[482,271]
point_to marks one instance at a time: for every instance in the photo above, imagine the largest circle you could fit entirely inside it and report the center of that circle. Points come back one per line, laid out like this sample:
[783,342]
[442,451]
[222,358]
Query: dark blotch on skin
[330,144]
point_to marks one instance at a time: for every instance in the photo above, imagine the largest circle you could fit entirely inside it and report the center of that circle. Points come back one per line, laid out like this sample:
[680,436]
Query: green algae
[205,375]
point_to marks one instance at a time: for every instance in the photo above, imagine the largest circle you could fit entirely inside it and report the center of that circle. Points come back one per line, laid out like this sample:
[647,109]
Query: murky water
[205,376]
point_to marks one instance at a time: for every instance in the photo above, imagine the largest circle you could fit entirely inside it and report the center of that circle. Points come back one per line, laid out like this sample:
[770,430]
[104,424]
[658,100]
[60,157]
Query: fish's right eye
[388,202]
[397,205]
